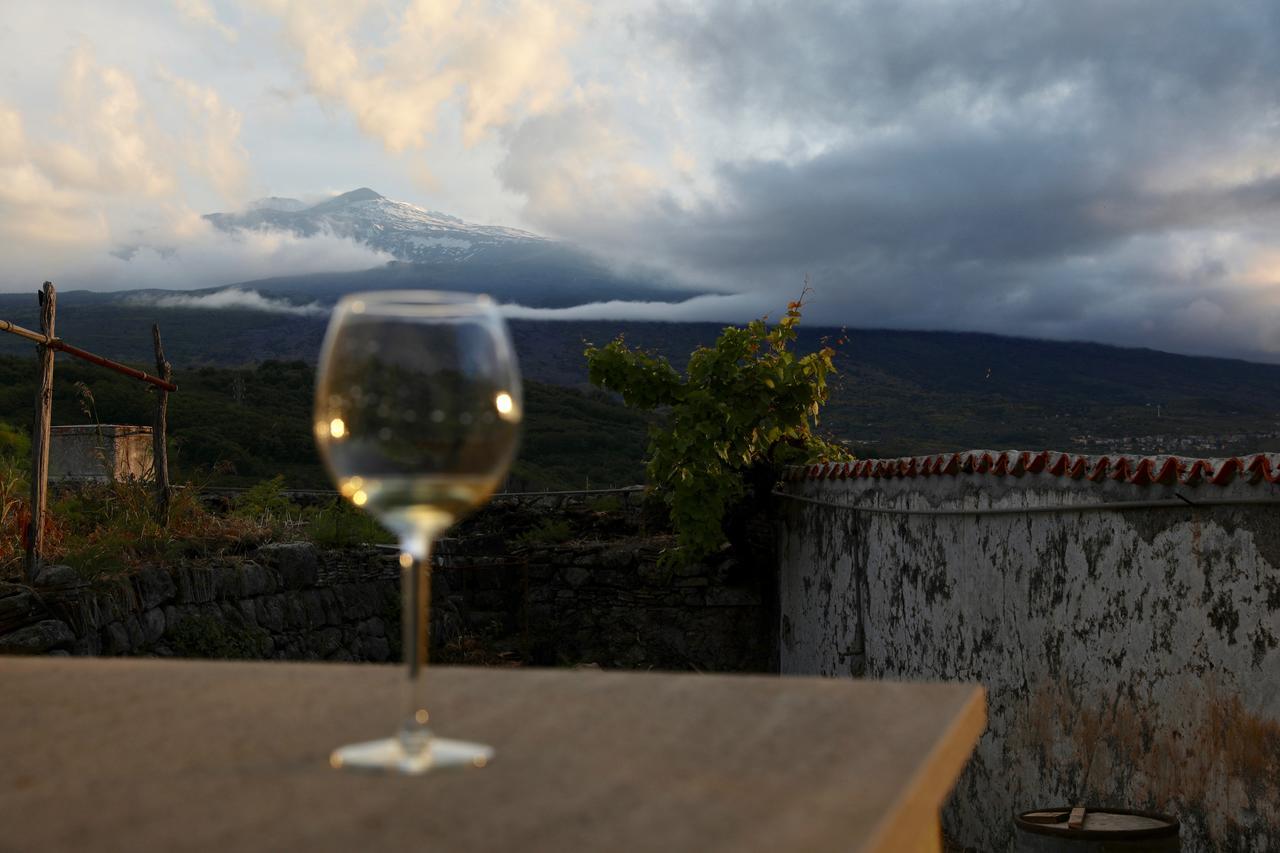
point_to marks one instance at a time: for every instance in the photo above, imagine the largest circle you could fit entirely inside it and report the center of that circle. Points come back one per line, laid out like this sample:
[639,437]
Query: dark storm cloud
[1104,170]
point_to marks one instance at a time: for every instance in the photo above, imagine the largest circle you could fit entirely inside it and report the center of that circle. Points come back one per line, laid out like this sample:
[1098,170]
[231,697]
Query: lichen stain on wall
[1137,648]
[1213,762]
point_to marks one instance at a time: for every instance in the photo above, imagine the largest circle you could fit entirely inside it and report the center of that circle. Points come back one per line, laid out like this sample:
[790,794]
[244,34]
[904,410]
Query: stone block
[256,580]
[42,637]
[270,612]
[154,586]
[618,558]
[314,605]
[359,601]
[729,596]
[228,581]
[325,641]
[375,649]
[374,627]
[688,570]
[136,636]
[297,563]
[89,645]
[196,584]
[654,574]
[576,576]
[295,612]
[332,607]
[17,607]
[115,639]
[489,599]
[153,625]
[692,582]
[57,575]
[81,611]
[232,615]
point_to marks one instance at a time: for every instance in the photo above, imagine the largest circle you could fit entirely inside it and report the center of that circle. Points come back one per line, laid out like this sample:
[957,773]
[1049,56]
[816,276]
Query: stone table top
[134,754]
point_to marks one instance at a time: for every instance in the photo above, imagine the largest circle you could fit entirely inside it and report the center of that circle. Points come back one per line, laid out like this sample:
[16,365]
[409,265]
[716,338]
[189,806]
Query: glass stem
[415,618]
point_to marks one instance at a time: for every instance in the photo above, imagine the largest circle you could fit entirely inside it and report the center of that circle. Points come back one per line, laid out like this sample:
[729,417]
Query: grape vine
[745,408]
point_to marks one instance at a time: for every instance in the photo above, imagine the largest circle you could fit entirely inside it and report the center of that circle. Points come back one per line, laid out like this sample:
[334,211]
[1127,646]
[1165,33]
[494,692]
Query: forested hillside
[243,425]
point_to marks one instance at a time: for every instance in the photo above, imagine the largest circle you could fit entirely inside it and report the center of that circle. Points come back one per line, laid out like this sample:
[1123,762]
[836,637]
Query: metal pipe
[59,344]
[112,365]
[1112,506]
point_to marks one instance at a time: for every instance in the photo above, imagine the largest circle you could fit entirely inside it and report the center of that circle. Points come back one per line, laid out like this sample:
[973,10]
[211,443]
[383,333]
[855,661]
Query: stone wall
[607,602]
[502,594]
[1130,657]
[281,601]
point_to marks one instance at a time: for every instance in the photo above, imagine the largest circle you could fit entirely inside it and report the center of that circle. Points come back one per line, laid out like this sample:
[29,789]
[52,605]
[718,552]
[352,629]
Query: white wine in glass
[417,416]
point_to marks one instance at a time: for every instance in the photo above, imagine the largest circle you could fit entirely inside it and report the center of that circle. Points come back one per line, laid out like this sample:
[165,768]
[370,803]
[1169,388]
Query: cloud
[488,61]
[210,139]
[200,12]
[1097,169]
[234,297]
[1070,171]
[97,197]
[198,255]
[720,308]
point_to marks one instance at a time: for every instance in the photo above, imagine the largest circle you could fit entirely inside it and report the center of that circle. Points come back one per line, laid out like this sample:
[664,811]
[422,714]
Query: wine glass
[417,416]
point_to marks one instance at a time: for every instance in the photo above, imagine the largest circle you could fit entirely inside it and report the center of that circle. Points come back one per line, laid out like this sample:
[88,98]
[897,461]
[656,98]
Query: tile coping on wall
[1136,470]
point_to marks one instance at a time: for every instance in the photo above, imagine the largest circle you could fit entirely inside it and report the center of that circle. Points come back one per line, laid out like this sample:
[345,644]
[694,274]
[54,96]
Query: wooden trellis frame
[49,345]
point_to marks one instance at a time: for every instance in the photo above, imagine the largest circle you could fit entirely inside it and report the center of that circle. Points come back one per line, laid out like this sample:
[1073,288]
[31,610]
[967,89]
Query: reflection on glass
[417,416]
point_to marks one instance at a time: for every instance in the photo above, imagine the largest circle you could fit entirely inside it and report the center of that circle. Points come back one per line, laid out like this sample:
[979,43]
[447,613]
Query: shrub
[338,524]
[266,502]
[551,531]
[745,408]
[14,443]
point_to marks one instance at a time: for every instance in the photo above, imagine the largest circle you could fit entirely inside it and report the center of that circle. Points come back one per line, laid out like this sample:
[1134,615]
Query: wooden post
[160,446]
[40,434]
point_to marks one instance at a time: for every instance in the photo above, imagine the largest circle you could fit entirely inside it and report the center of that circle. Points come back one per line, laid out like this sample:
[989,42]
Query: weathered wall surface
[100,452]
[1130,657]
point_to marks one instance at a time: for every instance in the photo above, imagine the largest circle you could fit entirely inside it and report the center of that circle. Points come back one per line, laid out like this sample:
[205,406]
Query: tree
[746,408]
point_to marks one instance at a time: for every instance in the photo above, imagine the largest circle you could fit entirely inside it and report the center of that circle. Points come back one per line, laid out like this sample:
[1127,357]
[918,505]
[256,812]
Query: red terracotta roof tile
[1137,470]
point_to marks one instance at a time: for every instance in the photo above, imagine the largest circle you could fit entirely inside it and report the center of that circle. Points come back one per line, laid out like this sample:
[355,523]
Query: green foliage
[745,408]
[14,489]
[246,425]
[605,504]
[103,529]
[551,531]
[266,501]
[200,636]
[14,443]
[338,524]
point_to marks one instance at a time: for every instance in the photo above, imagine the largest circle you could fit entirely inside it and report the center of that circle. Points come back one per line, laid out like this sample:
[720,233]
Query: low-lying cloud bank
[232,298]
[719,308]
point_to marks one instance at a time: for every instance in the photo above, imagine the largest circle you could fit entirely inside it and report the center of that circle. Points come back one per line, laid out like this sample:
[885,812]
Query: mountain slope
[402,230]
[897,393]
[437,251]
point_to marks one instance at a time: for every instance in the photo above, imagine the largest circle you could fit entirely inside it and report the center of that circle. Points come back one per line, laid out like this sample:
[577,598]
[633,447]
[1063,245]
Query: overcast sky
[1093,169]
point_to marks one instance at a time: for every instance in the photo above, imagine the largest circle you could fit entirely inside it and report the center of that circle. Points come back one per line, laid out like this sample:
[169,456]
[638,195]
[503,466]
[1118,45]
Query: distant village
[1242,442]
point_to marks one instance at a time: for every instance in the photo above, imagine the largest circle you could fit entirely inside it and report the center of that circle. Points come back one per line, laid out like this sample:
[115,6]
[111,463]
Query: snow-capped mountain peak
[405,231]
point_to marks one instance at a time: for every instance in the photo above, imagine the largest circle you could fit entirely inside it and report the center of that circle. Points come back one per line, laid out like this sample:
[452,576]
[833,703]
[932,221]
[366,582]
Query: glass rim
[416,302]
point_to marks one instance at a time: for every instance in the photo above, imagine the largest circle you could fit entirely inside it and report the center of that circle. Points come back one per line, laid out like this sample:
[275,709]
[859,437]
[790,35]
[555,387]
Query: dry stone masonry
[500,595]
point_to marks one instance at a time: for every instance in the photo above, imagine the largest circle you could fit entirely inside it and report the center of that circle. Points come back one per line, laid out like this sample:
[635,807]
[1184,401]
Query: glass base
[388,756]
